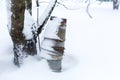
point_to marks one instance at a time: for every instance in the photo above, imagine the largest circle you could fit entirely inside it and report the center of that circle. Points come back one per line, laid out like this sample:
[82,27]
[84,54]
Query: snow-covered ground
[92,47]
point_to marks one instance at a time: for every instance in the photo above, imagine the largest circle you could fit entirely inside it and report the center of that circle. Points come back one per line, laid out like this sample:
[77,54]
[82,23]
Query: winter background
[92,45]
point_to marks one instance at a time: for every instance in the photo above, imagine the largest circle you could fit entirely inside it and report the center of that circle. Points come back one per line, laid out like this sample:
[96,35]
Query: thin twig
[66,6]
[87,9]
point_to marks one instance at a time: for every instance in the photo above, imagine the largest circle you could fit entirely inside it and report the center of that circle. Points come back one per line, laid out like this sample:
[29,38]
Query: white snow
[29,24]
[52,27]
[92,47]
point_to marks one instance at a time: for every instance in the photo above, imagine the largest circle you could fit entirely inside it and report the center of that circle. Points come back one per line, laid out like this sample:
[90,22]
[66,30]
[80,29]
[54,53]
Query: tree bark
[18,9]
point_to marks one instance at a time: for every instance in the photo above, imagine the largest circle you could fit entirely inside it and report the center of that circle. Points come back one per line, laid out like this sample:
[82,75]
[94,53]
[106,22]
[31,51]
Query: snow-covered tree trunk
[17,25]
[22,46]
[115,4]
[23,29]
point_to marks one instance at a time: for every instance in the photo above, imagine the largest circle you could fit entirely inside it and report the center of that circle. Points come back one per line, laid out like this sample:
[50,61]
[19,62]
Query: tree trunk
[17,25]
[22,47]
[115,4]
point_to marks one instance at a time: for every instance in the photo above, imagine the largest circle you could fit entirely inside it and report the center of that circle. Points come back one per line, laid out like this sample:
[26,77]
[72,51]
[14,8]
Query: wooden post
[54,41]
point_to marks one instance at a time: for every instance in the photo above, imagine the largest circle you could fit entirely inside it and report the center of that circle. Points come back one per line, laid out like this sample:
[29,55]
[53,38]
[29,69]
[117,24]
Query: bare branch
[87,9]
[66,6]
[45,17]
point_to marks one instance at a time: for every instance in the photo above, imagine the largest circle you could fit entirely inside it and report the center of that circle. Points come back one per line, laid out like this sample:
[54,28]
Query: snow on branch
[45,16]
[29,25]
